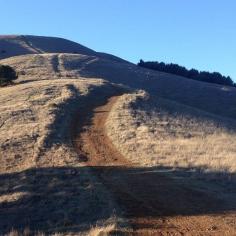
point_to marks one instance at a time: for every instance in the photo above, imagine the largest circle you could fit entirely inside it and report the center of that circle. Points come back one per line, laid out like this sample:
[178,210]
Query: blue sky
[192,33]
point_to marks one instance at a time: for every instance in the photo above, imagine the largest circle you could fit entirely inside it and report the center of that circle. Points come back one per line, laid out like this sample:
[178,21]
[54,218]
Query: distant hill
[15,45]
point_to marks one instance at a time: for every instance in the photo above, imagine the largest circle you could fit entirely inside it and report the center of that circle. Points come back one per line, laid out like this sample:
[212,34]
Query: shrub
[7,75]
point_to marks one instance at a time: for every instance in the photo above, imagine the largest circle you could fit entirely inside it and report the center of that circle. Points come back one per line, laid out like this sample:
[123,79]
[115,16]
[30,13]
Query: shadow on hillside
[66,199]
[207,97]
[78,111]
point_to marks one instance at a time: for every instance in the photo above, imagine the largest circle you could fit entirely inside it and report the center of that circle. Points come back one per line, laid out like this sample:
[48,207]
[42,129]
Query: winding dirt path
[153,200]
[94,143]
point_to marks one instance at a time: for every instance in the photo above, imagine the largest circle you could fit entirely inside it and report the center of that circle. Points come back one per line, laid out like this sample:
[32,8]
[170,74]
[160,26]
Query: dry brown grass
[95,231]
[27,232]
[29,113]
[164,133]
[36,113]
[102,231]
[35,120]
[14,45]
[46,66]
[36,117]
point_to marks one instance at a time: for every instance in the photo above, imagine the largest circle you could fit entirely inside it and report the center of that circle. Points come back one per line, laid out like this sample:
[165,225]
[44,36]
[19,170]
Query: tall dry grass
[156,131]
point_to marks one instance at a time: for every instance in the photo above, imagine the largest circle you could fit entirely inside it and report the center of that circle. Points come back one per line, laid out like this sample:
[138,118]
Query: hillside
[217,99]
[91,143]
[15,45]
[154,131]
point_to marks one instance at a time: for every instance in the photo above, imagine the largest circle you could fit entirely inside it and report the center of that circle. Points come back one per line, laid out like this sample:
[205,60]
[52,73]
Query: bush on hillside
[194,74]
[7,75]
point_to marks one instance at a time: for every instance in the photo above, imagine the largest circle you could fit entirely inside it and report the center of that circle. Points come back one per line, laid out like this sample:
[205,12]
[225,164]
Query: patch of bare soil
[155,201]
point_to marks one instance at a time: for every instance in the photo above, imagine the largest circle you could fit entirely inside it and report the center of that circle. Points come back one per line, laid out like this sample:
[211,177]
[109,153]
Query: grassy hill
[15,45]
[65,161]
[217,99]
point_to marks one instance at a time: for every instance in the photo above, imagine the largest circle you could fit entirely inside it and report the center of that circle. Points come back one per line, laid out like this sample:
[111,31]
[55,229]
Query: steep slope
[80,156]
[44,186]
[187,107]
[29,114]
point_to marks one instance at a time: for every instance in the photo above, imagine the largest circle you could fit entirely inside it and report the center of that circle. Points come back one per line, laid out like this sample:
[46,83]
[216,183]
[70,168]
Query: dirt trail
[94,143]
[154,201]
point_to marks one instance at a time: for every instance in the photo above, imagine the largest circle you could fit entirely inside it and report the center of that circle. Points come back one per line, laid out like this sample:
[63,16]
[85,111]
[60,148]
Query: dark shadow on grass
[78,110]
[67,200]
[53,200]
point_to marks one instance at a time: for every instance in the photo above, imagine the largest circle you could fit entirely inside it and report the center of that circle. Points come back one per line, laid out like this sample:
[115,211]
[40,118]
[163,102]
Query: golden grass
[165,133]
[30,113]
[96,230]
[27,232]
[35,117]
[102,230]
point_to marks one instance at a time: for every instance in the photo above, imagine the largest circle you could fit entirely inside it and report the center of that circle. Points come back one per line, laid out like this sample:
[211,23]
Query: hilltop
[15,45]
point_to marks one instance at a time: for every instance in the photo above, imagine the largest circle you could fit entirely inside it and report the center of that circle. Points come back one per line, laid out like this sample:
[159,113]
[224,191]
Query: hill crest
[16,45]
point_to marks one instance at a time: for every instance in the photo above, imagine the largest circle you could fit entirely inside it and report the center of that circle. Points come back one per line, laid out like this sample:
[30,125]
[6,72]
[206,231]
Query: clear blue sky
[193,33]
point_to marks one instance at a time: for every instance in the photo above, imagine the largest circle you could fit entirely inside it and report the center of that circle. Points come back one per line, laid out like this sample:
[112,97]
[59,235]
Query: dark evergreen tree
[194,74]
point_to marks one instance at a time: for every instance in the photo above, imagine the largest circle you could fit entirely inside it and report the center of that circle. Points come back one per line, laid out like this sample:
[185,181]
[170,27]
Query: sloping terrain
[158,132]
[29,114]
[81,148]
[154,200]
[44,185]
[40,170]
[15,45]
[212,98]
